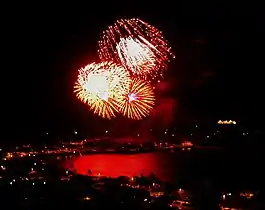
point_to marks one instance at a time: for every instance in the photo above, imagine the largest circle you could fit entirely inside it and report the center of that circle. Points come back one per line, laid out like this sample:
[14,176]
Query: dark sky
[217,73]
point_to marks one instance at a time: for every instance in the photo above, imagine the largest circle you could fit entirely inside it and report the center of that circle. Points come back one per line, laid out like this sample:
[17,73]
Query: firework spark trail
[139,101]
[135,56]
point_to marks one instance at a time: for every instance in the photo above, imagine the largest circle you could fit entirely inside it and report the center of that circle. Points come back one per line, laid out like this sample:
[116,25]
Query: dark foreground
[180,180]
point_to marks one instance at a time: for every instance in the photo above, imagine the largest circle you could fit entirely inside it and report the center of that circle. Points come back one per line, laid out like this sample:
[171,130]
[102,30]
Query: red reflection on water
[115,165]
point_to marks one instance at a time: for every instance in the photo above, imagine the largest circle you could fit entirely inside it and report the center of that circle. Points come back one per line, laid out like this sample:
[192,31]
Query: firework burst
[139,101]
[137,46]
[101,86]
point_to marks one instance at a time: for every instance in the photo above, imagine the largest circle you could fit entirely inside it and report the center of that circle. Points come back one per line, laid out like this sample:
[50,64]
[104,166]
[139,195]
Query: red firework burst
[137,46]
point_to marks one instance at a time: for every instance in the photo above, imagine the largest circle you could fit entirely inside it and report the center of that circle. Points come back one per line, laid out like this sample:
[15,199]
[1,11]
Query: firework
[138,101]
[101,86]
[136,56]
[138,46]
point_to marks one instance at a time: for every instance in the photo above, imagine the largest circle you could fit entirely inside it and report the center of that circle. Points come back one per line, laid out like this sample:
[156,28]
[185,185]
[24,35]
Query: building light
[226,122]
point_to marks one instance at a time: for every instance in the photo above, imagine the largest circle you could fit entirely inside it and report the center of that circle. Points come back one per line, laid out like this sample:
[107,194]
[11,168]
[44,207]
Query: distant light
[35,164]
[33,183]
[47,133]
[44,182]
[106,131]
[226,122]
[11,183]
[75,132]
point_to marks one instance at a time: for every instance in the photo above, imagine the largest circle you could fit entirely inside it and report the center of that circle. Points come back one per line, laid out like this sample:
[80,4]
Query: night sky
[217,73]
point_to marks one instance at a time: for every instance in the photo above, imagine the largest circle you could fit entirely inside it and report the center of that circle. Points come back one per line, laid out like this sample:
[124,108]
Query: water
[229,169]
